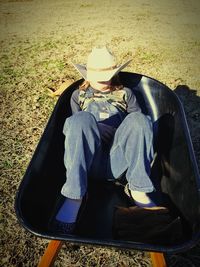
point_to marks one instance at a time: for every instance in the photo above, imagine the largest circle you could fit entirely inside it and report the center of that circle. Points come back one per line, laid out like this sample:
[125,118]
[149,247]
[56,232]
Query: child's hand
[106,131]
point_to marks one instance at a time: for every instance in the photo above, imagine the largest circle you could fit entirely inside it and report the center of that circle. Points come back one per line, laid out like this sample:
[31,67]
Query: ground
[39,40]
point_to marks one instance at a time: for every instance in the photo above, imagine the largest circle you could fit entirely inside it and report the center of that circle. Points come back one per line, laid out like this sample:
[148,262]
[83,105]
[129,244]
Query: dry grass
[38,41]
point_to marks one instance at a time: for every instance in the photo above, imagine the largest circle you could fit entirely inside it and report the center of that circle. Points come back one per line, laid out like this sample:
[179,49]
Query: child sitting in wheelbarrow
[106,136]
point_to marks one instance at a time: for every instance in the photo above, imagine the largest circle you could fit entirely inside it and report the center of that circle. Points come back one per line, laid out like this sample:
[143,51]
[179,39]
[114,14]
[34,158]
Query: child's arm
[132,104]
[74,102]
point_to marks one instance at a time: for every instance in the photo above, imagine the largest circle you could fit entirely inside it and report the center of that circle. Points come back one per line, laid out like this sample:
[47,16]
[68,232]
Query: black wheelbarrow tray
[175,166]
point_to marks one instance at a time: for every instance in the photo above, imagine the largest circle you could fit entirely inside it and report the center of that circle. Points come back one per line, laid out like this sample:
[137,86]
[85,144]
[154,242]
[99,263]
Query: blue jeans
[131,152]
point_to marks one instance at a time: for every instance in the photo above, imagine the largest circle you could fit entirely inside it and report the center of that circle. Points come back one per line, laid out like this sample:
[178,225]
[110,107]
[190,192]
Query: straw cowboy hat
[101,66]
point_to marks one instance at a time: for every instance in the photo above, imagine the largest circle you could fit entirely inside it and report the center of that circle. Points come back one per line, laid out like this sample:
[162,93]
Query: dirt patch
[39,39]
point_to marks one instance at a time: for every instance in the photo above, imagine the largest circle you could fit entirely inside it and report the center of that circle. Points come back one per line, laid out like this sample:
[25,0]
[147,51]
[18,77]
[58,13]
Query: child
[106,136]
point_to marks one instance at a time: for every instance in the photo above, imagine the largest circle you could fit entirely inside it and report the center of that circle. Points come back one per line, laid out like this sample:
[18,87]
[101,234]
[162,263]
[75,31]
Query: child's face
[100,85]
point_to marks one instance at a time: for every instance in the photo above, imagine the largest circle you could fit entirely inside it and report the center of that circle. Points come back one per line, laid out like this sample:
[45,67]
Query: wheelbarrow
[175,166]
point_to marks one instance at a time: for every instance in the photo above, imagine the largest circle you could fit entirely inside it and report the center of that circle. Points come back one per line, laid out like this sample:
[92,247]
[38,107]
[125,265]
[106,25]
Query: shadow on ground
[191,104]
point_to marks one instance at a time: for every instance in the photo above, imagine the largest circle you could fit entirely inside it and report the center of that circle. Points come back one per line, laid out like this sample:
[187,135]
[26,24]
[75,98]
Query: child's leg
[69,210]
[82,140]
[132,151]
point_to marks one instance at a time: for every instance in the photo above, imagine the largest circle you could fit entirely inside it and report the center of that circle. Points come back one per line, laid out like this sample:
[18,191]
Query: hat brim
[99,76]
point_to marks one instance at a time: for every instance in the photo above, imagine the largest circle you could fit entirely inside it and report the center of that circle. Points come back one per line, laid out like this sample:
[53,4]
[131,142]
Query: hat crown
[100,58]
